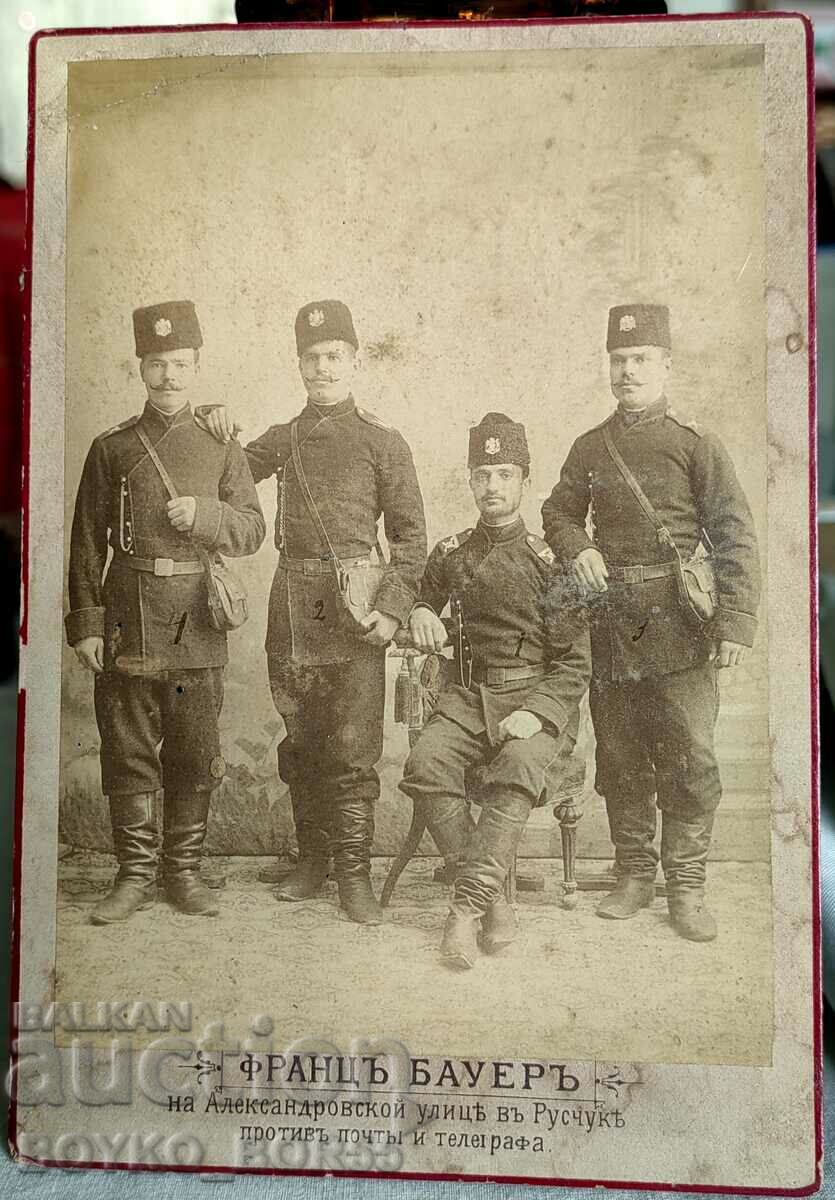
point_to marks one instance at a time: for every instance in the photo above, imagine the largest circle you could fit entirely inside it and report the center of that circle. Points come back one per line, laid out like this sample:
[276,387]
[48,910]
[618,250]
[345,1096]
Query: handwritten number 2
[319,610]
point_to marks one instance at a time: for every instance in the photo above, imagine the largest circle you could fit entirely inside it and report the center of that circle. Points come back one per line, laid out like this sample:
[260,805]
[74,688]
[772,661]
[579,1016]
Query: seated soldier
[510,698]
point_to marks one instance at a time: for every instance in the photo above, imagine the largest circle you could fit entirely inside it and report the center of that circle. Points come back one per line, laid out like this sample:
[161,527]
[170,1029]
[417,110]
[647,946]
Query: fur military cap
[638,325]
[324,321]
[497,439]
[169,326]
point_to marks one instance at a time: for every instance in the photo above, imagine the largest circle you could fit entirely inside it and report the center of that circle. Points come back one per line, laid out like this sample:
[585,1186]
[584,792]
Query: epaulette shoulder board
[447,545]
[693,426]
[541,549]
[372,419]
[123,425]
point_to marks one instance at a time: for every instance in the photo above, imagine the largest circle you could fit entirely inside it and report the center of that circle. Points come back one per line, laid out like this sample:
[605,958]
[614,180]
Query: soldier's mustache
[168,386]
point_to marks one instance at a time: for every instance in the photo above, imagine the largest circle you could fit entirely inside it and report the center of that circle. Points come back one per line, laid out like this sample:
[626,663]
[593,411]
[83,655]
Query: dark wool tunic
[357,469]
[639,629]
[518,611]
[153,623]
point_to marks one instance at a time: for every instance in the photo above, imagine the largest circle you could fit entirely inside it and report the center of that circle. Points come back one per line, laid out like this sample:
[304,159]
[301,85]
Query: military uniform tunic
[163,659]
[688,477]
[529,644]
[654,695]
[329,685]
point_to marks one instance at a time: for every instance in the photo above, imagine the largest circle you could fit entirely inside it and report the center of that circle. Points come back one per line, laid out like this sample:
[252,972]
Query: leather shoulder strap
[201,551]
[308,498]
[155,459]
[311,504]
[661,530]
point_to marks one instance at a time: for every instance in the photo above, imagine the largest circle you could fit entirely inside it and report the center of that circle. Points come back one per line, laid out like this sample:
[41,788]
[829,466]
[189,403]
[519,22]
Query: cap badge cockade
[492,446]
[627,323]
[162,327]
[315,318]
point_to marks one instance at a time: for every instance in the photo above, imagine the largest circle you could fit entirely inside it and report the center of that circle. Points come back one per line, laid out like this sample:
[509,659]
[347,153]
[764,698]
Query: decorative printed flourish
[614,1082]
[204,1066]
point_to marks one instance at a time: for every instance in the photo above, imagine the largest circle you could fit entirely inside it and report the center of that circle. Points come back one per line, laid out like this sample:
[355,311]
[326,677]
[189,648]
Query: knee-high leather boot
[313,837]
[311,820]
[184,830]
[135,842]
[684,850]
[632,825]
[451,826]
[352,838]
[480,879]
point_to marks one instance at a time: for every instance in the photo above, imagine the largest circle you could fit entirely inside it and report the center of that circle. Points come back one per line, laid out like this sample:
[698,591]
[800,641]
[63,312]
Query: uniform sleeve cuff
[732,626]
[84,623]
[394,600]
[207,521]
[571,543]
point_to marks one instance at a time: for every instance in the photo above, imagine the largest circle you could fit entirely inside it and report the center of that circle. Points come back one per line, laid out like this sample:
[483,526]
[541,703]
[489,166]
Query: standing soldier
[327,675]
[509,700]
[141,623]
[654,693]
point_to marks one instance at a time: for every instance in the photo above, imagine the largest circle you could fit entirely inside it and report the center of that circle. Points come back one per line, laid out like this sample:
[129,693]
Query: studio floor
[572,984]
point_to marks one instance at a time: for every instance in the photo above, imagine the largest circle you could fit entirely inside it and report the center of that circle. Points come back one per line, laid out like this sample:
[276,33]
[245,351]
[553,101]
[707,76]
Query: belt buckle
[312,566]
[633,574]
[164,567]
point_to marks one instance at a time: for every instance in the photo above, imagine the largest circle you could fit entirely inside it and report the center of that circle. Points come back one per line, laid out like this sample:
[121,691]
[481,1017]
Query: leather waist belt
[160,566]
[639,574]
[319,566]
[493,676]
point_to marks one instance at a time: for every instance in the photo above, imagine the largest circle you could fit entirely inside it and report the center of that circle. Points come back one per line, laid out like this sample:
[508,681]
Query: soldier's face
[166,376]
[498,490]
[638,375]
[328,369]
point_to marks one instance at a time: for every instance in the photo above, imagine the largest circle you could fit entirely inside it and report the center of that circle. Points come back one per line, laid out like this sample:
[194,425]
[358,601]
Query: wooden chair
[416,693]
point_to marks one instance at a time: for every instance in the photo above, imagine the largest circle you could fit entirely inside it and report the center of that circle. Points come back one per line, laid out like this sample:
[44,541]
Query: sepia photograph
[421,559]
[521,297]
